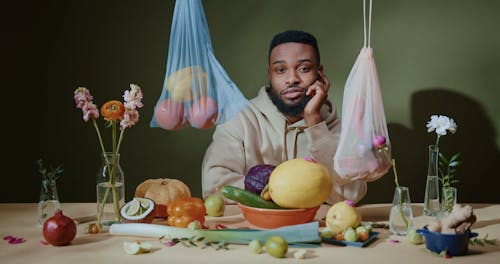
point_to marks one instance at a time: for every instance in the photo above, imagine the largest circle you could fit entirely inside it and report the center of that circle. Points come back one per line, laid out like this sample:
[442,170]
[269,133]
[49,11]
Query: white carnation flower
[441,124]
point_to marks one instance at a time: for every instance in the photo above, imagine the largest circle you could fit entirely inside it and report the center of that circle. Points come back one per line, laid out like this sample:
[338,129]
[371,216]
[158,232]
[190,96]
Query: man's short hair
[296,36]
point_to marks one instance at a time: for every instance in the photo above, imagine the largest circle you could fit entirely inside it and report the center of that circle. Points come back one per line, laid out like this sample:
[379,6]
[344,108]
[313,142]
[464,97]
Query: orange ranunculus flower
[112,110]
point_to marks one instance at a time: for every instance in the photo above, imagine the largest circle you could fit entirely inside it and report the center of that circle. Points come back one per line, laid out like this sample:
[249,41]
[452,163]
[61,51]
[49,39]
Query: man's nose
[292,78]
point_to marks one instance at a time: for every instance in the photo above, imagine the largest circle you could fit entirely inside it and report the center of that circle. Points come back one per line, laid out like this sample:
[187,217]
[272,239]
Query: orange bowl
[273,218]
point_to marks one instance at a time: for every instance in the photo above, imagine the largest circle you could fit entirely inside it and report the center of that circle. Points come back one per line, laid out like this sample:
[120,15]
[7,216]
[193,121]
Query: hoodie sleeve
[323,142]
[224,161]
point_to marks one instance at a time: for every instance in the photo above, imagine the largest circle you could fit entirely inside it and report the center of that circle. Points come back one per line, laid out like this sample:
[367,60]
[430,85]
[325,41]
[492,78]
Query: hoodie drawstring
[297,130]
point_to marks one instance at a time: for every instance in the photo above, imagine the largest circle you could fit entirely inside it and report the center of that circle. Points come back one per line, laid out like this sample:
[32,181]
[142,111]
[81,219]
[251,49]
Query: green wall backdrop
[433,57]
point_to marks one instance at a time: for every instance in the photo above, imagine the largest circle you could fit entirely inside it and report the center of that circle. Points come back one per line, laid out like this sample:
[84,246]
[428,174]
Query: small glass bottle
[110,189]
[49,200]
[431,199]
[401,215]
[449,199]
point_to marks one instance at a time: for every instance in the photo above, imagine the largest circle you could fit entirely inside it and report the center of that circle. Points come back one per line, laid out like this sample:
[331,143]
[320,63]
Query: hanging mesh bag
[197,91]
[363,118]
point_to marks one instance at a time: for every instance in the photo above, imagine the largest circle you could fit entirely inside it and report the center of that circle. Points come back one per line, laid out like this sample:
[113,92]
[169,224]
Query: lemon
[133,207]
[276,246]
[131,248]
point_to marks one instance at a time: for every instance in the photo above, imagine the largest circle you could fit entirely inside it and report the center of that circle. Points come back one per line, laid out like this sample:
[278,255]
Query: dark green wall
[433,57]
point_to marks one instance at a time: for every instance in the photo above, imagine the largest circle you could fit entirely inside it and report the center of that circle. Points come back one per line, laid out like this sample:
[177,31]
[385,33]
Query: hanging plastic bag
[196,90]
[363,118]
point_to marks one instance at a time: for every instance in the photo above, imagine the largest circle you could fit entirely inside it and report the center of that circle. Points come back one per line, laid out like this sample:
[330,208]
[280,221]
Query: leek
[298,235]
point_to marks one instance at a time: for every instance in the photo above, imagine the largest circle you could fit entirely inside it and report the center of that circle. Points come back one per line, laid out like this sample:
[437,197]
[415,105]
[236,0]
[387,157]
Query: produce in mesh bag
[197,91]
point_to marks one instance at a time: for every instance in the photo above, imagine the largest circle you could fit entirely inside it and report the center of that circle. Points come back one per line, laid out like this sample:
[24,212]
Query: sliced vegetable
[247,198]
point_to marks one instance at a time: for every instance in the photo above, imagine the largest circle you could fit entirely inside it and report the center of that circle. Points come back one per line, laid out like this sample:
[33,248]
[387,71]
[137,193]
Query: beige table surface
[20,220]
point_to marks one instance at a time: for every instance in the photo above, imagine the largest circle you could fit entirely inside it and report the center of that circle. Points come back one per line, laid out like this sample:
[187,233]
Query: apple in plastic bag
[170,114]
[203,113]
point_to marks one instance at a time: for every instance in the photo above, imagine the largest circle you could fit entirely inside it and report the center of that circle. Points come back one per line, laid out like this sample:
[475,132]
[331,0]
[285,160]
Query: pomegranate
[170,114]
[59,230]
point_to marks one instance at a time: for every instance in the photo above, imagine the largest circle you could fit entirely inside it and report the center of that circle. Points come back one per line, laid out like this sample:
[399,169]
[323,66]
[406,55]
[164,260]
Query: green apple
[214,204]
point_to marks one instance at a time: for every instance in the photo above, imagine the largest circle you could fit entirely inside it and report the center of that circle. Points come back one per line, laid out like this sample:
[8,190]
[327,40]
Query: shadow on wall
[475,139]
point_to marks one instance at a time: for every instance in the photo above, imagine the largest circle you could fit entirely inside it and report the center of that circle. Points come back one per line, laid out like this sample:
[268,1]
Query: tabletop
[19,220]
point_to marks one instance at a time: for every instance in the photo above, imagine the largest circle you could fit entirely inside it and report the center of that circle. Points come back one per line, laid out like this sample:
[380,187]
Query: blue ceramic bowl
[454,244]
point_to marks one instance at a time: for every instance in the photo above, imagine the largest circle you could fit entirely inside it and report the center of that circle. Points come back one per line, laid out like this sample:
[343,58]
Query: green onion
[302,234]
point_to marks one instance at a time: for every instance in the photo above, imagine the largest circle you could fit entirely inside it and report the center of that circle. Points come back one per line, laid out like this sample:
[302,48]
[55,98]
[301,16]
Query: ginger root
[457,222]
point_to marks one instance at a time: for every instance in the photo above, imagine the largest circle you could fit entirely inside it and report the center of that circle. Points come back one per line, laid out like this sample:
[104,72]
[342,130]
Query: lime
[133,207]
[276,246]
[131,248]
[414,237]
[144,202]
[256,246]
[214,204]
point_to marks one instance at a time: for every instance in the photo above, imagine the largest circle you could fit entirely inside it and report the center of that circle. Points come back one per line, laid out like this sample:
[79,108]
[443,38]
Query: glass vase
[401,215]
[110,189]
[49,200]
[431,199]
[448,199]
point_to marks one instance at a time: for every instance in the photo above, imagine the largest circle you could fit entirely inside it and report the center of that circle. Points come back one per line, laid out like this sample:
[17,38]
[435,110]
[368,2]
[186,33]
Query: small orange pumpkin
[162,191]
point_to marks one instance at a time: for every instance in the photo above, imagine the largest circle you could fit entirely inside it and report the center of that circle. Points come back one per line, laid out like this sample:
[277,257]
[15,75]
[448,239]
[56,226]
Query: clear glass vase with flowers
[441,125]
[401,214]
[117,115]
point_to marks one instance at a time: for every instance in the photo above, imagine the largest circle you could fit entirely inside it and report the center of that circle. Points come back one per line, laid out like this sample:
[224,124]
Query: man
[290,118]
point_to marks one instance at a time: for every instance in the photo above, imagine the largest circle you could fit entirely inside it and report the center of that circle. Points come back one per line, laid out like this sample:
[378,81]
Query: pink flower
[310,159]
[83,100]
[130,118]
[379,141]
[349,202]
[169,244]
[90,111]
[82,96]
[133,97]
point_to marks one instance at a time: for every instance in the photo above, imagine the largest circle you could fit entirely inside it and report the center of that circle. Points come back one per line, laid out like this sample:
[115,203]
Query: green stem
[120,140]
[100,141]
[111,172]
[437,140]
[396,181]
[112,178]
[101,210]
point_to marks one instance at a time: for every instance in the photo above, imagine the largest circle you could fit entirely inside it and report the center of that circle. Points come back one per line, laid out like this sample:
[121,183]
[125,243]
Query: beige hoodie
[260,134]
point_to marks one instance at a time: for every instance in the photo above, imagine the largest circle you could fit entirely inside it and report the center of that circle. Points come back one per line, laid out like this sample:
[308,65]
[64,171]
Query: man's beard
[294,110]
